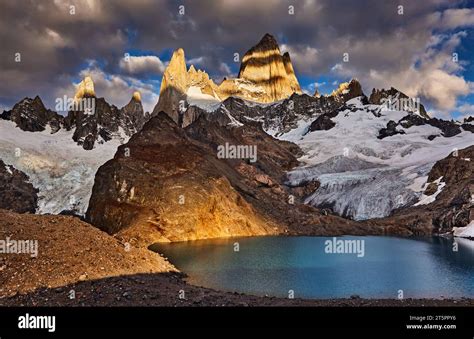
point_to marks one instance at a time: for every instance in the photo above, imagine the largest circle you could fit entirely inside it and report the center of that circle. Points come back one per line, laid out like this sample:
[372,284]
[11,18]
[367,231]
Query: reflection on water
[420,267]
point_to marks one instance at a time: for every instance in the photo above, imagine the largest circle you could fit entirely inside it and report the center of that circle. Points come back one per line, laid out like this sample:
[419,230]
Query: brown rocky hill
[68,250]
[168,184]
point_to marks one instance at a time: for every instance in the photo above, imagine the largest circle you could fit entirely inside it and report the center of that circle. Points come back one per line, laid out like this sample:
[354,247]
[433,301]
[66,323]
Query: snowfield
[464,232]
[364,177]
[62,171]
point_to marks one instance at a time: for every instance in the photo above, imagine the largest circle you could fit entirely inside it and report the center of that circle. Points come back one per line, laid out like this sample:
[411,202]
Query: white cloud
[225,69]
[142,64]
[433,74]
[118,89]
[304,58]
[196,61]
[457,18]
[466,109]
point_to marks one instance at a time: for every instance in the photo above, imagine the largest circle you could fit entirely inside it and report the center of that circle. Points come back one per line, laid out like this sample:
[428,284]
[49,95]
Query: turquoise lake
[428,267]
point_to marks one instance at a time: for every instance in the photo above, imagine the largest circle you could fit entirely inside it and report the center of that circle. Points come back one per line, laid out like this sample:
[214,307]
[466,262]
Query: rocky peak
[31,115]
[378,96]
[85,89]
[263,65]
[105,121]
[295,86]
[175,84]
[136,96]
[132,115]
[347,91]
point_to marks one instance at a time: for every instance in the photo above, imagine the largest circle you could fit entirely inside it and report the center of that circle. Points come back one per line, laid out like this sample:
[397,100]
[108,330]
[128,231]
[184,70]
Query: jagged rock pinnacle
[264,66]
[85,88]
[137,96]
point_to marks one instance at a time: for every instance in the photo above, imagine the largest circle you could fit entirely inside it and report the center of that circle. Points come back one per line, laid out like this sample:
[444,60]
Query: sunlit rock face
[347,91]
[85,89]
[137,96]
[264,66]
[176,82]
[165,186]
[265,76]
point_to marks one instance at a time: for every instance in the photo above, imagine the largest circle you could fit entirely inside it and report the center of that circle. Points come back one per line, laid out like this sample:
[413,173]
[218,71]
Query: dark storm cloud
[56,46]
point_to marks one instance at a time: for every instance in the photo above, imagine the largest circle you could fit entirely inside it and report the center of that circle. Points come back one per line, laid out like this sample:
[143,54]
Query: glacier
[62,171]
[361,176]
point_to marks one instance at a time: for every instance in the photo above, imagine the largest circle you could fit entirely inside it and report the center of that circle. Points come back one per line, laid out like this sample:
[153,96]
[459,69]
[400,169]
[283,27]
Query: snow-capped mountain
[365,172]
[359,157]
[60,155]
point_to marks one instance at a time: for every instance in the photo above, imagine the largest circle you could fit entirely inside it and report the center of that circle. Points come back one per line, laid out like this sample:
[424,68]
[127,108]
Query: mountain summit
[265,66]
[266,75]
[85,89]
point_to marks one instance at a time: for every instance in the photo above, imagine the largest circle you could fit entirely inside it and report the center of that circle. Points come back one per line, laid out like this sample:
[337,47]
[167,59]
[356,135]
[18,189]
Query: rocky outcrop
[182,194]
[132,115]
[390,130]
[347,91]
[446,128]
[176,82]
[322,123]
[16,192]
[95,120]
[31,115]
[382,96]
[174,86]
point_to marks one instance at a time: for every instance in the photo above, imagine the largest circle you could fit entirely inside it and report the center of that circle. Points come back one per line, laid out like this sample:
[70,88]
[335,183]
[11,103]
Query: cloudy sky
[424,48]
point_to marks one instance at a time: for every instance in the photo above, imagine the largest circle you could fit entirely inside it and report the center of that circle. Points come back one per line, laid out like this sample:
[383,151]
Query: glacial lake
[420,267]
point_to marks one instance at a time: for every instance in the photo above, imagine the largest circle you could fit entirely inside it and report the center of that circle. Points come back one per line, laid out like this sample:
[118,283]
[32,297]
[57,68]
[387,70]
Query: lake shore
[171,290]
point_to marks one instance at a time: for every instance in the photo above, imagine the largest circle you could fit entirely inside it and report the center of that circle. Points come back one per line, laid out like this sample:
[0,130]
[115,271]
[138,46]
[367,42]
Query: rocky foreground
[79,265]
[68,250]
[165,289]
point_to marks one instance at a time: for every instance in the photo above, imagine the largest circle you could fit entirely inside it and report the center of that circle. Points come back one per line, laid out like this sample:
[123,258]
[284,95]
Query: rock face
[85,89]
[175,84]
[16,192]
[95,120]
[390,130]
[170,184]
[31,115]
[378,96]
[183,194]
[132,116]
[263,65]
[347,91]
